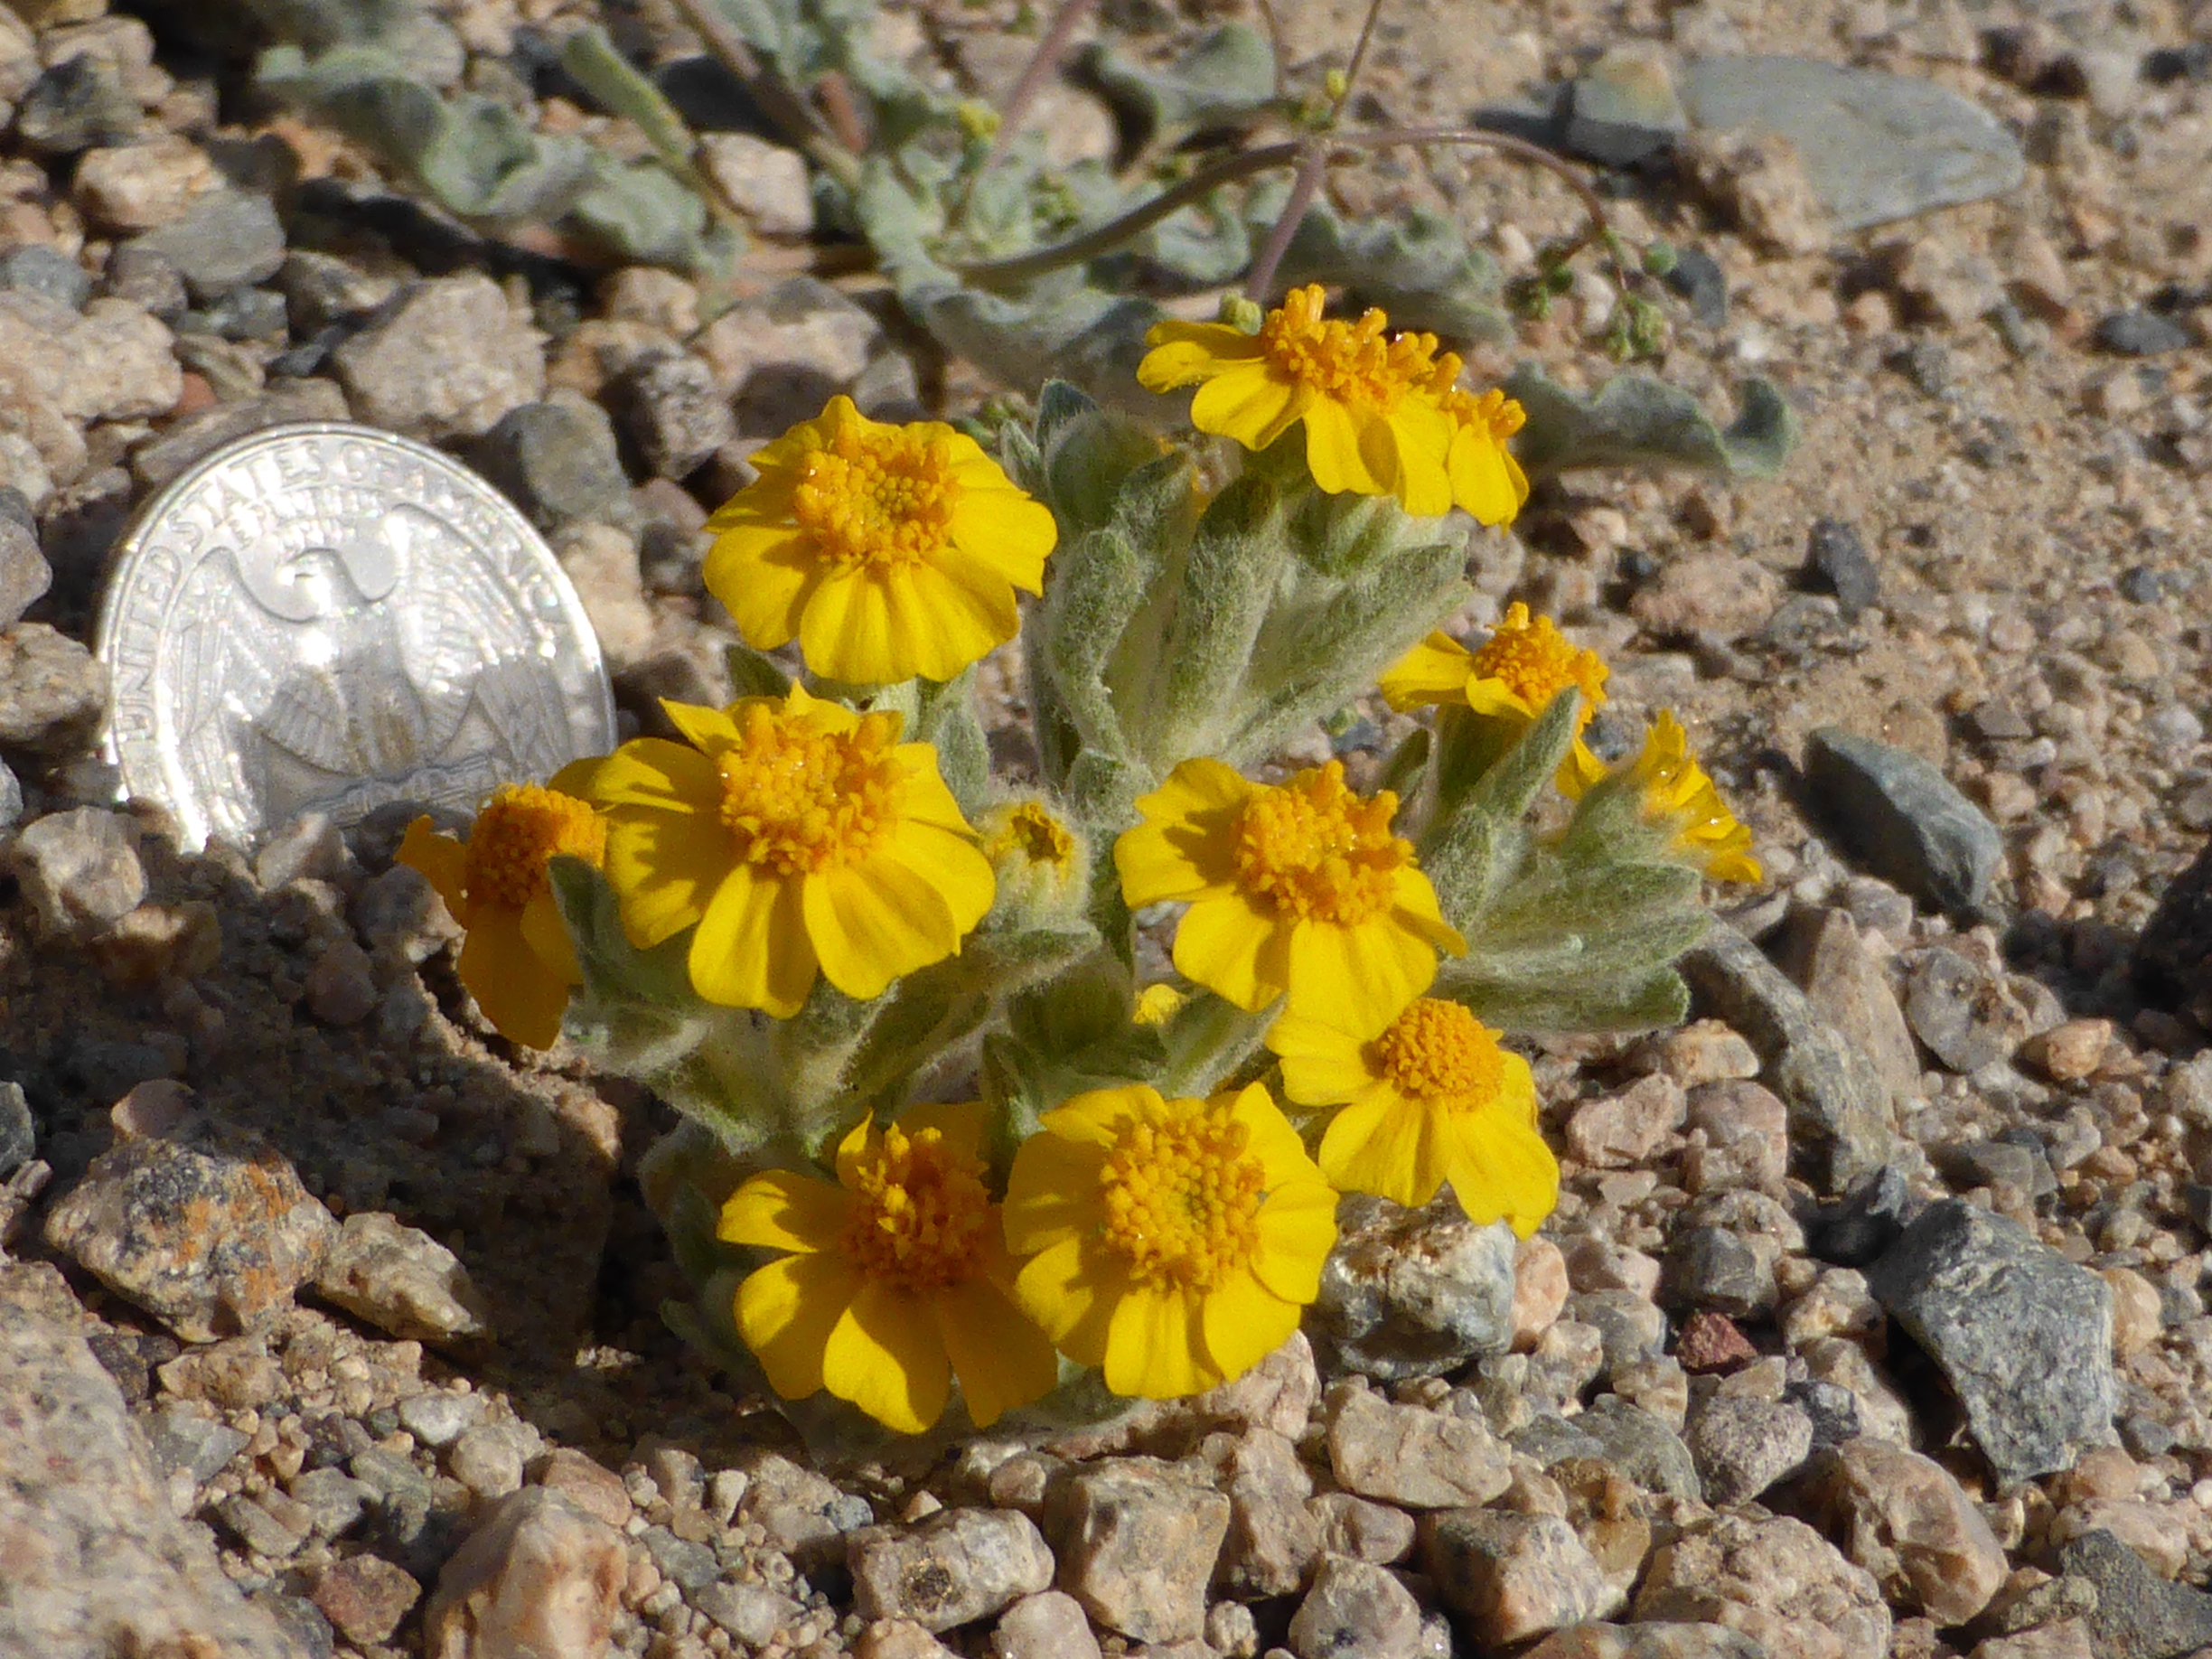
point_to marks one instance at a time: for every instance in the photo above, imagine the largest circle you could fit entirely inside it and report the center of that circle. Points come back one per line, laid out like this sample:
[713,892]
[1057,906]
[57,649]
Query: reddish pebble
[1710,1344]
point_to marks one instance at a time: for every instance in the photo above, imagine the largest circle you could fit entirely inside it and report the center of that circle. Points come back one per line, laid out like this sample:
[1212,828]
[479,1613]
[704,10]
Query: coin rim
[131,544]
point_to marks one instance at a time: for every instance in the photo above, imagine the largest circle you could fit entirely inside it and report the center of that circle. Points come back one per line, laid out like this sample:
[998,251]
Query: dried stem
[1359,56]
[1277,47]
[1044,62]
[1305,185]
[777,100]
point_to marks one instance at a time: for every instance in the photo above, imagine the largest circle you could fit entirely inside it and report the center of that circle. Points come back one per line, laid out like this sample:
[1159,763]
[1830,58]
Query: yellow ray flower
[1374,425]
[1511,679]
[517,960]
[1299,888]
[1485,480]
[897,1281]
[1676,789]
[798,836]
[885,551]
[1173,1242]
[1429,1097]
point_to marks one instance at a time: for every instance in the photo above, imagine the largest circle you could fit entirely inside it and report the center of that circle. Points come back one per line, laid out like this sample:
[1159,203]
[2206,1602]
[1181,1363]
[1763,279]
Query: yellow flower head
[1173,1242]
[1041,861]
[1428,1098]
[885,551]
[1677,790]
[898,1278]
[1299,888]
[517,960]
[1511,678]
[1157,1004]
[797,836]
[1485,478]
[1374,425]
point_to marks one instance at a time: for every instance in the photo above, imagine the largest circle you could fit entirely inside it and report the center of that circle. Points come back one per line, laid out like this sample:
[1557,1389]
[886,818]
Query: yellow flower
[1299,888]
[517,960]
[1173,1241]
[1676,788]
[1485,480]
[898,1278]
[1511,678]
[797,835]
[1157,1004]
[1374,425]
[885,551]
[1429,1097]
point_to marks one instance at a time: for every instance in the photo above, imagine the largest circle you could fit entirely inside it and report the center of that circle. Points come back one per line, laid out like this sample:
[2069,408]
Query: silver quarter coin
[324,617]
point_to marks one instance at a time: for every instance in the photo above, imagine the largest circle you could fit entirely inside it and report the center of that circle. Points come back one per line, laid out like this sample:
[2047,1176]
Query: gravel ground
[1872,1319]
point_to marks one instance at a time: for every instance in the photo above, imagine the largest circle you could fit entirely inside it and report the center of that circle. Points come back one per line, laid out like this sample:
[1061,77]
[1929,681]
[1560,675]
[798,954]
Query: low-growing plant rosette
[809,917]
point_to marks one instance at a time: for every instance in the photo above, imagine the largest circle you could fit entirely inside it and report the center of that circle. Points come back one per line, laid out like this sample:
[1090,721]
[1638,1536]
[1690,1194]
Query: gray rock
[79,870]
[184,1443]
[80,104]
[24,574]
[2023,1335]
[1875,147]
[1841,1122]
[322,290]
[1711,1267]
[98,1564]
[1743,1444]
[438,1418]
[690,1566]
[402,1280]
[299,1619]
[197,437]
[1274,1535]
[1356,1607]
[1903,819]
[448,361]
[958,1565]
[1412,1293]
[333,1499]
[1631,1327]
[2173,956]
[1661,1639]
[1513,1577]
[18,1133]
[1836,558]
[2141,334]
[205,1227]
[1137,1543]
[487,1460]
[53,692]
[2137,1614]
[1645,1449]
[228,240]
[753,1613]
[675,412]
[146,278]
[556,461]
[1698,278]
[11,797]
[1965,1015]
[1625,108]
[1986,1163]
[39,269]
[258,1528]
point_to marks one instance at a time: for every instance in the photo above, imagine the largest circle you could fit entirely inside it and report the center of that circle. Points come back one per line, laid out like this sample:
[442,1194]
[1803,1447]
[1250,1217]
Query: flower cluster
[1384,414]
[817,897]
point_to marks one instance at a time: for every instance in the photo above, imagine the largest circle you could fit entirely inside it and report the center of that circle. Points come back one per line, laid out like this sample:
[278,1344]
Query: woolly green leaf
[1651,1003]
[947,718]
[614,81]
[1637,421]
[1420,268]
[1513,782]
[1221,599]
[755,673]
[1226,77]
[1205,1041]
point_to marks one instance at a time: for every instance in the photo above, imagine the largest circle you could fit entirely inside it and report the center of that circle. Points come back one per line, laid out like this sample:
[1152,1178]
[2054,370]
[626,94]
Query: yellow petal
[875,922]
[1243,1323]
[1500,1169]
[765,575]
[664,867]
[1071,1291]
[1006,533]
[576,777]
[1252,404]
[1281,1153]
[547,937]
[1053,1192]
[852,632]
[999,1355]
[952,863]
[1413,904]
[782,1209]
[1321,1063]
[1298,1229]
[655,773]
[752,950]
[1385,1145]
[711,731]
[1186,352]
[1485,480]
[1434,671]
[1421,436]
[1235,950]
[443,862]
[785,1312]
[1156,1345]
[522,997]
[1363,974]
[952,612]
[1099,1116]
[928,801]
[1496,701]
[1182,847]
[1334,454]
[885,1357]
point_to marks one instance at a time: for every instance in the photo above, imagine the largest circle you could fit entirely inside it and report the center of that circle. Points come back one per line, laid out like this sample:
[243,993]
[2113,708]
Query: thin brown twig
[1305,185]
[1277,47]
[1044,62]
[777,100]
[1359,56]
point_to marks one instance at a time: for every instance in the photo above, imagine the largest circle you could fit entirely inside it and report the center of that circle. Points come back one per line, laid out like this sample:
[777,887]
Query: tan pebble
[1540,1290]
